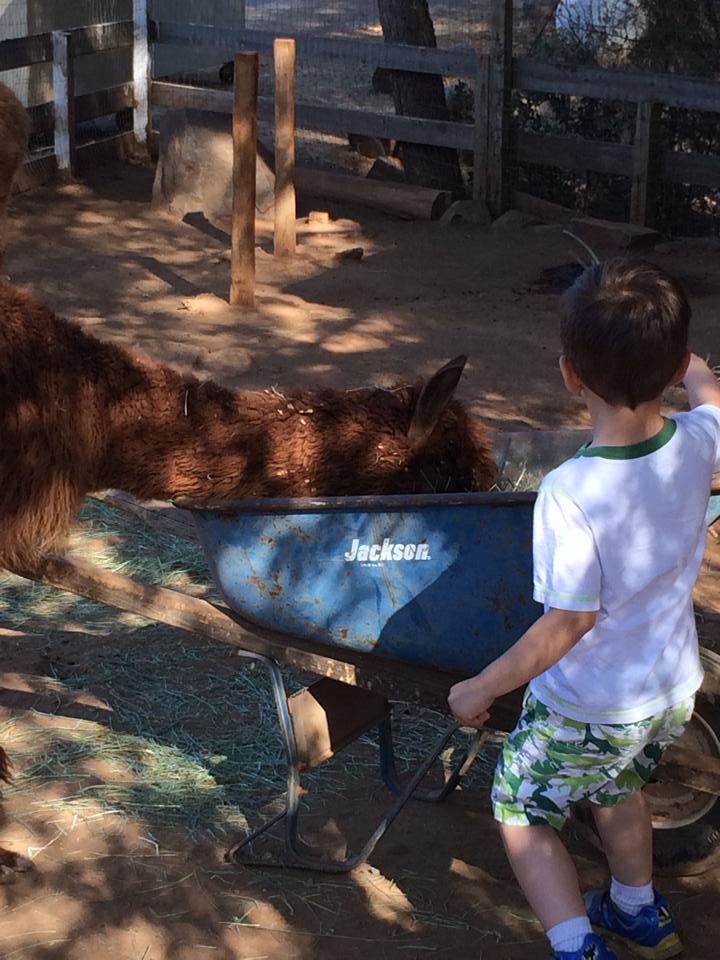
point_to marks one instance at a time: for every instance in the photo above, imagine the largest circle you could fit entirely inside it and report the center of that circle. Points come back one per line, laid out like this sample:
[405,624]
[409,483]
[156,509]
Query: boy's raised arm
[701,384]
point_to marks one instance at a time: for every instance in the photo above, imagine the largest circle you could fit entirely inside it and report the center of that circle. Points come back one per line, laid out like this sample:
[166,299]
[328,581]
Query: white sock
[631,899]
[569,935]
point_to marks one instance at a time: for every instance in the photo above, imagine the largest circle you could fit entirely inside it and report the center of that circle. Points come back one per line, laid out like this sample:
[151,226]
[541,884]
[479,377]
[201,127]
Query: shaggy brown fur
[14,132]
[78,415]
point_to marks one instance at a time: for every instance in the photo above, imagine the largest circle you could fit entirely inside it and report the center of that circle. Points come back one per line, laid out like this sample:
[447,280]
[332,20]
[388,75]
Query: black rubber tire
[693,849]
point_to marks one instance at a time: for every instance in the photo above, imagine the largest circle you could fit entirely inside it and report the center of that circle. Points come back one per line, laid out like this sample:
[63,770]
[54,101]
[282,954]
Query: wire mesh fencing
[630,35]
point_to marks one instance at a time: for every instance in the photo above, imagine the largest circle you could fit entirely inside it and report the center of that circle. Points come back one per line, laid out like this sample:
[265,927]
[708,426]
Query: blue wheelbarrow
[385,598]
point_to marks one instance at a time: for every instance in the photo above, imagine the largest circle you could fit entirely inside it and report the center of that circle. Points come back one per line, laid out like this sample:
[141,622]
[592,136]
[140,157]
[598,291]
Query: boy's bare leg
[545,872]
[626,834]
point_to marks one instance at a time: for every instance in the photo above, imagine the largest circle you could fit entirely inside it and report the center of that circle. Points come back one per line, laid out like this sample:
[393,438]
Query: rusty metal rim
[674,823]
[411,501]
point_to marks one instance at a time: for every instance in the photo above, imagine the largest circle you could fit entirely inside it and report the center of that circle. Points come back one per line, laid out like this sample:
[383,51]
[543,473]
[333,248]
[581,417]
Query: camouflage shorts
[549,761]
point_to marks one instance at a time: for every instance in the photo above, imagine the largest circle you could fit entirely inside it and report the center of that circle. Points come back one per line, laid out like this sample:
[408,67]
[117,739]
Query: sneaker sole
[669,946]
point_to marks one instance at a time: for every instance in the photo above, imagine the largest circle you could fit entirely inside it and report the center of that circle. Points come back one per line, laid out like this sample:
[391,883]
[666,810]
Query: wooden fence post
[499,108]
[482,113]
[647,158]
[284,235]
[64,96]
[242,260]
[141,76]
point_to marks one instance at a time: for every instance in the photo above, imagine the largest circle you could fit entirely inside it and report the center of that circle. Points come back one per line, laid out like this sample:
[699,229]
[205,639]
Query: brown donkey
[14,131]
[79,415]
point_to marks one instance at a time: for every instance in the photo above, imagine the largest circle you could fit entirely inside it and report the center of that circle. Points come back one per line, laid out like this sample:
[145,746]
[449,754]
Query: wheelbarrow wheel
[687,822]
[686,838]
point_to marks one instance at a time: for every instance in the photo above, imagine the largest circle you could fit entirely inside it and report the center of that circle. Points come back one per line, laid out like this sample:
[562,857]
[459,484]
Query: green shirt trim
[633,450]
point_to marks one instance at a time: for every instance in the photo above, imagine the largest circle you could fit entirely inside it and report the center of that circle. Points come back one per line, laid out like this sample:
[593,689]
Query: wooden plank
[284,238]
[365,53]
[499,115]
[64,96]
[696,168]
[157,514]
[604,84]
[647,156]
[48,15]
[25,51]
[571,153]
[88,106]
[394,679]
[543,209]
[43,169]
[244,127]
[141,75]
[327,119]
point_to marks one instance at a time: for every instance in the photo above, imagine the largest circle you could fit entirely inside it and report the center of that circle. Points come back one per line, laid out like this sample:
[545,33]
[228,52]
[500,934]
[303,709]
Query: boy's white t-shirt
[621,531]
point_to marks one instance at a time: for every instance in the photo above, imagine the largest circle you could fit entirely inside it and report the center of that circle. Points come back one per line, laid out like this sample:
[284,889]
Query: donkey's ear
[432,400]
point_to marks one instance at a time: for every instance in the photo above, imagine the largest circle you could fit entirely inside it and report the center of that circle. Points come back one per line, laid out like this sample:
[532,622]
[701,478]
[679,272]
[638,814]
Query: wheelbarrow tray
[441,580]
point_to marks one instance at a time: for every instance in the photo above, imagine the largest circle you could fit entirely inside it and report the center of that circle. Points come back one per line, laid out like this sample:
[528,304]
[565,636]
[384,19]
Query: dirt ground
[108,884]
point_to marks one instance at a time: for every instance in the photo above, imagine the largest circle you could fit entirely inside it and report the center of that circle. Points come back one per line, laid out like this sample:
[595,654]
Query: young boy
[613,663]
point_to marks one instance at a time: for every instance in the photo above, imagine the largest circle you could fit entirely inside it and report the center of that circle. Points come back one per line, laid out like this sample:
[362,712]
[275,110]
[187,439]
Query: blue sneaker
[593,948]
[650,934]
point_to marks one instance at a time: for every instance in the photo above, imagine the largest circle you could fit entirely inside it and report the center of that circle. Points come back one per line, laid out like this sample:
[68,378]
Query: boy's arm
[539,648]
[700,383]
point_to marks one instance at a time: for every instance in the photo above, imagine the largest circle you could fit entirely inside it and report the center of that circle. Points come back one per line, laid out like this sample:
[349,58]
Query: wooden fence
[492,74]
[60,116]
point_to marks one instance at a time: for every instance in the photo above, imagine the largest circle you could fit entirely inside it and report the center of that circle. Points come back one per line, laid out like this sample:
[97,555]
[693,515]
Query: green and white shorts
[550,762]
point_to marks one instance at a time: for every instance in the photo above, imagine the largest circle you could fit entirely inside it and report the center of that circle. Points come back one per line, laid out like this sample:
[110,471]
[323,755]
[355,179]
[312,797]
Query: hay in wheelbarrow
[192,739]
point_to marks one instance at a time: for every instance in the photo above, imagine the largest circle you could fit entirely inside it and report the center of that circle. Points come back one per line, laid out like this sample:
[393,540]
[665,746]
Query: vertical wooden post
[242,260]
[480,146]
[647,157]
[284,235]
[141,76]
[64,96]
[500,107]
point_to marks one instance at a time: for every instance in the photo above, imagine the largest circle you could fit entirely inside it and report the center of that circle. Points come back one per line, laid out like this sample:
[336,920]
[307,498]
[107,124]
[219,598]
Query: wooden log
[403,200]
[64,96]
[284,238]
[244,127]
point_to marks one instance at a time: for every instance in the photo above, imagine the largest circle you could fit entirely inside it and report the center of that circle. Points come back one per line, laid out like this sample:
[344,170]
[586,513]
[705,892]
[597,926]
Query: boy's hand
[700,383]
[469,703]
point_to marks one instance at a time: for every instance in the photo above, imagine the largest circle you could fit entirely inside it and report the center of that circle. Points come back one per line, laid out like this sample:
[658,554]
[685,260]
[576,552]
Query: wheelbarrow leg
[389,772]
[297,852]
[292,799]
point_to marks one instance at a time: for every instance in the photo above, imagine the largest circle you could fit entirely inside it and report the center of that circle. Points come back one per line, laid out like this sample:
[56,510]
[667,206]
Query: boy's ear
[679,374]
[573,383]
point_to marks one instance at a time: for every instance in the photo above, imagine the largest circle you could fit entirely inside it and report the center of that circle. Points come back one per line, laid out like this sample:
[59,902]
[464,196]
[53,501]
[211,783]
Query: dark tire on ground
[681,848]
[693,848]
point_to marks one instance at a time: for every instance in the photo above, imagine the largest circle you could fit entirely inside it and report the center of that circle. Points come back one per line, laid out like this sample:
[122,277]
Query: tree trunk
[419,95]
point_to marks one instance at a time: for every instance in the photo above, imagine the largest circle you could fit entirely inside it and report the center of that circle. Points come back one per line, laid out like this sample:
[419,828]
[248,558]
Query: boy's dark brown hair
[624,328]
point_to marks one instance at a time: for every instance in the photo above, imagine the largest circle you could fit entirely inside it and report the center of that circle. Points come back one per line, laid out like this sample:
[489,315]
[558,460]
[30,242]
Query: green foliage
[655,35]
